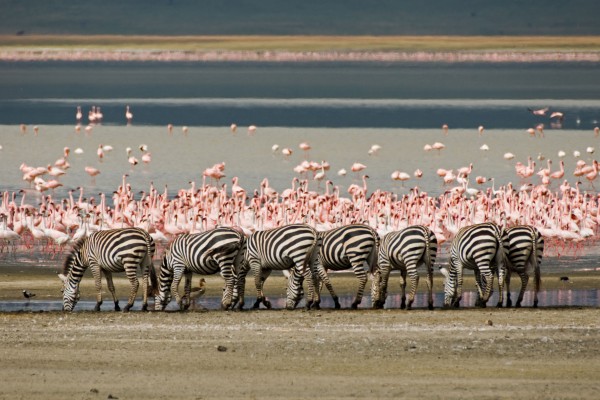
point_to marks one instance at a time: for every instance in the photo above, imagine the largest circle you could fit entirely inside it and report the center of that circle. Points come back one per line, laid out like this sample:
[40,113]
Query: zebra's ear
[63,278]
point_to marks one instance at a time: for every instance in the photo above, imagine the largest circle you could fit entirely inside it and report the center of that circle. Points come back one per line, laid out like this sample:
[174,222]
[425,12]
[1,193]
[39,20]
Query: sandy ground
[466,353]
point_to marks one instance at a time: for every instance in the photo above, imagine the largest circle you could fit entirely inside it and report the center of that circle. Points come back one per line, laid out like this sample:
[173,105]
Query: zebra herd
[306,255]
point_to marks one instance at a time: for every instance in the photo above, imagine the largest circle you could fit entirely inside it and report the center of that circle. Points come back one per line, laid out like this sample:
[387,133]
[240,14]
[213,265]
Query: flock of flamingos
[567,216]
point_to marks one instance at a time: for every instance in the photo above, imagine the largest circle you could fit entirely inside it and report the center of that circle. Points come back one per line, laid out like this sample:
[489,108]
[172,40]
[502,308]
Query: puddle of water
[547,298]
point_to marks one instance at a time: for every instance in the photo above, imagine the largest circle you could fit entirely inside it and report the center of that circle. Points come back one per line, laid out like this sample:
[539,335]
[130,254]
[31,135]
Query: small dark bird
[564,278]
[27,294]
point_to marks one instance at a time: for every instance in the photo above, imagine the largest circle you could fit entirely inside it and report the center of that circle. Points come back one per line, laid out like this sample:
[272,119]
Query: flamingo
[540,112]
[438,146]
[374,150]
[128,115]
[305,147]
[131,159]
[233,128]
[559,174]
[558,115]
[78,115]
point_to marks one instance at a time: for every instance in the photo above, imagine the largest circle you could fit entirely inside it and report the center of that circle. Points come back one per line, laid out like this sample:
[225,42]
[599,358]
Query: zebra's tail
[534,260]
[373,257]
[428,261]
[153,290]
[311,256]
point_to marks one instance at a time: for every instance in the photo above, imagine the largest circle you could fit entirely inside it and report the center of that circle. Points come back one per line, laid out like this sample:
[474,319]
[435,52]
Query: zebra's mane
[71,256]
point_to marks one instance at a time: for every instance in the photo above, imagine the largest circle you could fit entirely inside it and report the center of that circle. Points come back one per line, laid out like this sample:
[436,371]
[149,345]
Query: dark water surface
[406,95]
[547,298]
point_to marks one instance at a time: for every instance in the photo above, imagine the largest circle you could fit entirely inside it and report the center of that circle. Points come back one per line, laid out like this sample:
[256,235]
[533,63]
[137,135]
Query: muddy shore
[551,352]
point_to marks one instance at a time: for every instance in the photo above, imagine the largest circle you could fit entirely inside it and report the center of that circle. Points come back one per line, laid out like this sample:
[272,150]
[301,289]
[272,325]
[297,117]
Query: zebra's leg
[508,299]
[429,286]
[229,278]
[111,289]
[360,270]
[178,271]
[323,278]
[131,272]
[411,271]
[311,282]
[375,288]
[239,287]
[187,290]
[537,279]
[384,277]
[524,280]
[403,288]
[97,274]
[459,279]
[260,276]
[479,285]
[145,276]
[487,283]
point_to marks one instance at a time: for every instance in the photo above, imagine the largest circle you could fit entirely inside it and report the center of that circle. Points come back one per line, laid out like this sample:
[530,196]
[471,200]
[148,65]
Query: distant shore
[454,49]
[287,57]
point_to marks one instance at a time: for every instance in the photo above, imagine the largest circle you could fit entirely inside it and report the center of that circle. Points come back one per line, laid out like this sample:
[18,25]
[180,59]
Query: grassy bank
[299,43]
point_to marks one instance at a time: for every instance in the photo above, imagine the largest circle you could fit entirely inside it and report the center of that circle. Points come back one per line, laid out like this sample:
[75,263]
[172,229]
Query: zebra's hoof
[126,309]
[97,307]
[267,304]
[145,307]
[509,304]
[499,305]
[117,307]
[430,307]
[354,306]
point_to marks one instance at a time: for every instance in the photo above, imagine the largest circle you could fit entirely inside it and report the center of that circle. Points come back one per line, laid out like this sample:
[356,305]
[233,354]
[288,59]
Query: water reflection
[547,298]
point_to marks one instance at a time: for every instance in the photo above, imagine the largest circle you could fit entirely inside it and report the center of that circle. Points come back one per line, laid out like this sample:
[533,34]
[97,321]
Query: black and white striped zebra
[405,250]
[524,246]
[106,252]
[478,247]
[203,253]
[350,246]
[291,247]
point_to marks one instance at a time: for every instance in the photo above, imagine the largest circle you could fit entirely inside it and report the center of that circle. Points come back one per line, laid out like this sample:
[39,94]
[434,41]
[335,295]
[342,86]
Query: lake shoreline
[477,56]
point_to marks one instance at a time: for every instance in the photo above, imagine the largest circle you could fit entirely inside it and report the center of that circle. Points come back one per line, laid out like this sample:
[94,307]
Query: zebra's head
[449,284]
[165,278]
[295,291]
[70,287]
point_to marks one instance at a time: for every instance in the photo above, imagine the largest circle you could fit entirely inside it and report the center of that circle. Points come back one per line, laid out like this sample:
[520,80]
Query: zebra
[291,247]
[204,253]
[478,247]
[109,251]
[405,250]
[524,246]
[350,246]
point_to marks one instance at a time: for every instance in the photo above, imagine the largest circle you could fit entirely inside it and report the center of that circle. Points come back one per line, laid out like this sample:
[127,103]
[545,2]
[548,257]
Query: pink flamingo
[128,115]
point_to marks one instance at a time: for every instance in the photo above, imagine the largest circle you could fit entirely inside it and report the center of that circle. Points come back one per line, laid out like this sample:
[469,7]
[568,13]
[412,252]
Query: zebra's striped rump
[291,247]
[351,246]
[206,253]
[478,247]
[405,251]
[524,246]
[106,252]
